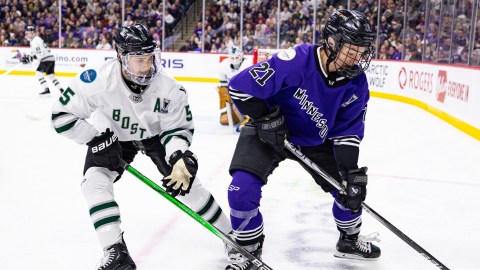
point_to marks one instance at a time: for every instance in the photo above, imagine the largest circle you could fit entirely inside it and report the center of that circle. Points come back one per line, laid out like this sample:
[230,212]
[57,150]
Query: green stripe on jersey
[56,115]
[65,127]
[179,136]
[169,132]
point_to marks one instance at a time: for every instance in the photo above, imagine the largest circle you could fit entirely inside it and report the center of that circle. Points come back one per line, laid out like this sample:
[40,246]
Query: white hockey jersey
[39,49]
[101,96]
[226,70]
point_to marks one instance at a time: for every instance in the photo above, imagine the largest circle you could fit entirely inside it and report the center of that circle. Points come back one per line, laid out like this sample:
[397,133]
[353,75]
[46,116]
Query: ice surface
[424,179]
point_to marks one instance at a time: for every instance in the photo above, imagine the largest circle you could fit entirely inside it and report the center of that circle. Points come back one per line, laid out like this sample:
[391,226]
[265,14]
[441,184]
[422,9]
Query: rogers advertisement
[450,90]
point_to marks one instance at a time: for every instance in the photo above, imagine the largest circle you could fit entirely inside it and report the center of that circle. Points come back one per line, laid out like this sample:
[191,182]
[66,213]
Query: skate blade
[126,267]
[352,256]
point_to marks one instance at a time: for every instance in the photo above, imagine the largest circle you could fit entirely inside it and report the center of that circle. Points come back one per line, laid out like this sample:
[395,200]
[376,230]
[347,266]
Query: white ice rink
[424,178]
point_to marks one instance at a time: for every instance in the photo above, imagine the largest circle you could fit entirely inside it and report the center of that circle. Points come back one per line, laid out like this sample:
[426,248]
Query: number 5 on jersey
[65,98]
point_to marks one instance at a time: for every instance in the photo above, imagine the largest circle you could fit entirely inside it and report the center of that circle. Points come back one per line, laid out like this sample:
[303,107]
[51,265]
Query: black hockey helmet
[136,47]
[348,27]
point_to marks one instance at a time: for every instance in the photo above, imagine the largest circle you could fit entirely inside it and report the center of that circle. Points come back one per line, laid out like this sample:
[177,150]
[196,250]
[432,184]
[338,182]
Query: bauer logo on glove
[106,150]
[105,144]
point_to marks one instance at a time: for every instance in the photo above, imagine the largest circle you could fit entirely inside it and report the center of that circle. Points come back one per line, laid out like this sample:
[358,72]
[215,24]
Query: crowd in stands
[85,23]
[439,34]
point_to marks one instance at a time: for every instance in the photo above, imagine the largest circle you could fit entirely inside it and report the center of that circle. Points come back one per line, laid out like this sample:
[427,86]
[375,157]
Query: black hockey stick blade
[225,238]
[367,208]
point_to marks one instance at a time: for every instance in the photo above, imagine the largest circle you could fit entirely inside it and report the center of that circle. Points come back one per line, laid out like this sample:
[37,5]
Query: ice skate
[232,254]
[359,248]
[116,257]
[45,93]
[242,263]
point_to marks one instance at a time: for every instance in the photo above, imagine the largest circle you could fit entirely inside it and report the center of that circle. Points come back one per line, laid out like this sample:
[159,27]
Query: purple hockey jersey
[315,107]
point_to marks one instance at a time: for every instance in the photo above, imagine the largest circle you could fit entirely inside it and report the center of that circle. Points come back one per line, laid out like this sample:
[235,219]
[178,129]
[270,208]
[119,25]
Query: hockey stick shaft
[367,208]
[258,263]
[10,70]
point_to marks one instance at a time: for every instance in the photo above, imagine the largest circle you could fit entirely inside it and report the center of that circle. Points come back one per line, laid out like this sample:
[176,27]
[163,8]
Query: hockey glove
[106,150]
[184,170]
[271,129]
[355,184]
[26,59]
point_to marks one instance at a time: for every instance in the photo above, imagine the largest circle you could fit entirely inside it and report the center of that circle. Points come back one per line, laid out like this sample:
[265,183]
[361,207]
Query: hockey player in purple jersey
[316,97]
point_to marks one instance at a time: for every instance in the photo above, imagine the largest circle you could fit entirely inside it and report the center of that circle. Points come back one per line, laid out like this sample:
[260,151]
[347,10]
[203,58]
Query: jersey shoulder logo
[165,105]
[287,55]
[88,76]
[352,99]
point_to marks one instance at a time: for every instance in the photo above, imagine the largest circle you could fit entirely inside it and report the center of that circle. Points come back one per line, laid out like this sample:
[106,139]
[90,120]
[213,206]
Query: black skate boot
[116,257]
[61,90]
[239,262]
[358,247]
[45,93]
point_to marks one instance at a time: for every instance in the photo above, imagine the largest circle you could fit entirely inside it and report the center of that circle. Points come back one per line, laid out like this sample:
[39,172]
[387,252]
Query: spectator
[103,45]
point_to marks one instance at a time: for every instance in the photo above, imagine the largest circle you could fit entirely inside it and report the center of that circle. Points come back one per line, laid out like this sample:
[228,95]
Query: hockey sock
[347,222]
[55,82]
[244,196]
[97,188]
[41,80]
[202,202]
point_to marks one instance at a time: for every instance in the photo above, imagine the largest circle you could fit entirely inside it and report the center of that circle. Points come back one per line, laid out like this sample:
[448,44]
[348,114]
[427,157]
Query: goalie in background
[229,68]
[42,60]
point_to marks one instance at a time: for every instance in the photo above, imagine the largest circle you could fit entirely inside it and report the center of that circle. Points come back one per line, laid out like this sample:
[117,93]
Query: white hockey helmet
[236,56]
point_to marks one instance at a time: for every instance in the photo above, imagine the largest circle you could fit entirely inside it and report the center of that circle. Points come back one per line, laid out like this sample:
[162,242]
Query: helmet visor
[141,68]
[29,35]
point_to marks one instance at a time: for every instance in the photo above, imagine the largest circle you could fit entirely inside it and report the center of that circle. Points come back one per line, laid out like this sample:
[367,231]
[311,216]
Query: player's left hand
[184,170]
[355,184]
[26,59]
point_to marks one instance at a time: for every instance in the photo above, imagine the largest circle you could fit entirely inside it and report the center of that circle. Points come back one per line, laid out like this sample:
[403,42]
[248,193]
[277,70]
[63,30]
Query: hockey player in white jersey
[132,105]
[42,60]
[229,68]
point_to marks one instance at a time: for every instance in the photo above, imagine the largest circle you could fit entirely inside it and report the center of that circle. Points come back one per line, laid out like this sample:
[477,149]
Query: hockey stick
[10,70]
[367,208]
[225,238]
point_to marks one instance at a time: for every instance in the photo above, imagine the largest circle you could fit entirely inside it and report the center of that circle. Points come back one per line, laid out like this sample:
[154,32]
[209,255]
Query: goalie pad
[224,97]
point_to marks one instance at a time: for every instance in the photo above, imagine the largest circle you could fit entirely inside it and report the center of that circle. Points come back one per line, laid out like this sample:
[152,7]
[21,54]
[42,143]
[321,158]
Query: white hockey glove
[184,170]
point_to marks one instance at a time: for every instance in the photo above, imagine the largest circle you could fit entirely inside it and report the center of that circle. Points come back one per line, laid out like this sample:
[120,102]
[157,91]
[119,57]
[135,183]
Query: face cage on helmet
[130,64]
[342,69]
[353,71]
[236,60]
